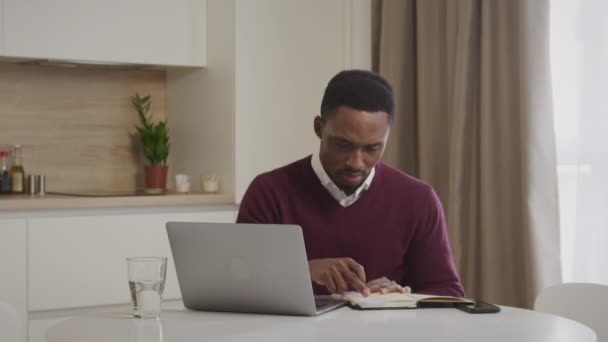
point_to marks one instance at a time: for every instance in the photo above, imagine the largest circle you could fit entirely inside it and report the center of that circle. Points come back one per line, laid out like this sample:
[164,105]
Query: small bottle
[17,172]
[5,175]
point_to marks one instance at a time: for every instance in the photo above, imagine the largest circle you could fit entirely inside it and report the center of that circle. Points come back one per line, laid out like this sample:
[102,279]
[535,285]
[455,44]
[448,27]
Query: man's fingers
[394,287]
[376,288]
[377,282]
[359,286]
[383,285]
[338,274]
[328,281]
[357,268]
[354,279]
[339,281]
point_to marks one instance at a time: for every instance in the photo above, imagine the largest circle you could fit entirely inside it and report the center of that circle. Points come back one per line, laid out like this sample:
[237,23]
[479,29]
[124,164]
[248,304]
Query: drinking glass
[182,183]
[209,183]
[146,277]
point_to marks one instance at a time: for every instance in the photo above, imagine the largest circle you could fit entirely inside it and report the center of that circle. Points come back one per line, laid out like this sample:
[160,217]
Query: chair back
[581,302]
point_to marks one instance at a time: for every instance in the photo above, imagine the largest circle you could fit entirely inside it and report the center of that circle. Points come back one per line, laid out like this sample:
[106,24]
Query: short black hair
[360,90]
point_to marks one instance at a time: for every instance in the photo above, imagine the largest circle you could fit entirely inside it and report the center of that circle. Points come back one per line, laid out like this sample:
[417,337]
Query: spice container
[32,184]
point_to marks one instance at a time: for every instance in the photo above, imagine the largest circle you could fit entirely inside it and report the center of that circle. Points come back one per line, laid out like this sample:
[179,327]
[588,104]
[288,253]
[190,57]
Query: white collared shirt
[333,189]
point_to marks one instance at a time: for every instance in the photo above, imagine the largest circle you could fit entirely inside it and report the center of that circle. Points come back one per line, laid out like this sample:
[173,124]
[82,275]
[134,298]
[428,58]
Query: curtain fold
[474,119]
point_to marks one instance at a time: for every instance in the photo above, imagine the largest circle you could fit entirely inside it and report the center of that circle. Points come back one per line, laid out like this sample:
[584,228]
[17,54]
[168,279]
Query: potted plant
[154,138]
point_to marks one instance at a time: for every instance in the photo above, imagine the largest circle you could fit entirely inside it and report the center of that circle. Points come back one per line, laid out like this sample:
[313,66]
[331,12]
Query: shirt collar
[333,189]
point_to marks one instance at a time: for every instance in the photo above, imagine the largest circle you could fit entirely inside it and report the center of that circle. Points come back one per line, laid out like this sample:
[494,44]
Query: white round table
[446,325]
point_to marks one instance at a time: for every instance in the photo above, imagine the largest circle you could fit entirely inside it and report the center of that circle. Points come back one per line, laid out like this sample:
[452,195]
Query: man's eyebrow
[346,141]
[342,140]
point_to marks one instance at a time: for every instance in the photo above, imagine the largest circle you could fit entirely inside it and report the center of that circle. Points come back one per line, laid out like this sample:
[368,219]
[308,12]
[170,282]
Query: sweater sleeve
[429,261]
[259,204]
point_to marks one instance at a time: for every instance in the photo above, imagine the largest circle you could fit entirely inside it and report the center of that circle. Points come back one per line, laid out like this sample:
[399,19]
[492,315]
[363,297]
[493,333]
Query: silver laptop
[253,268]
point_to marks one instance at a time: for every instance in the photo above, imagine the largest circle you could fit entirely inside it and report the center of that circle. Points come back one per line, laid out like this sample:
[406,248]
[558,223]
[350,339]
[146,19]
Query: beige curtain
[475,121]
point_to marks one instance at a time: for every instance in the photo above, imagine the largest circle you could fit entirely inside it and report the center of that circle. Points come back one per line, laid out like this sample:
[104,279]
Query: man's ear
[318,125]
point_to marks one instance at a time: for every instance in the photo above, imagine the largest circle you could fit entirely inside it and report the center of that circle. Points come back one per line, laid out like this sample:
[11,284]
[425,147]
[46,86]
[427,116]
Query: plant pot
[155,177]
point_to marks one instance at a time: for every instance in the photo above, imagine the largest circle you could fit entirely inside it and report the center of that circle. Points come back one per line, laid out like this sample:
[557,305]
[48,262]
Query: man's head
[356,114]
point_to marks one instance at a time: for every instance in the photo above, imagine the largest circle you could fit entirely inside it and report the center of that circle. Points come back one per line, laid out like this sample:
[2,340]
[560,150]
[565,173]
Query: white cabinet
[37,330]
[80,261]
[13,256]
[158,32]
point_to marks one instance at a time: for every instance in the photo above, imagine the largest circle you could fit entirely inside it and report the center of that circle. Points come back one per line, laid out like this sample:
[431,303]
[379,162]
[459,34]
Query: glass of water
[146,277]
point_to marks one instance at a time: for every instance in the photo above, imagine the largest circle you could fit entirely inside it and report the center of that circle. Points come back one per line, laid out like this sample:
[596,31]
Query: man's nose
[355,160]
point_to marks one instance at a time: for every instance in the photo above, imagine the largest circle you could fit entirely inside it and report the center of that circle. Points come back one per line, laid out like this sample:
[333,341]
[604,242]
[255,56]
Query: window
[579,67]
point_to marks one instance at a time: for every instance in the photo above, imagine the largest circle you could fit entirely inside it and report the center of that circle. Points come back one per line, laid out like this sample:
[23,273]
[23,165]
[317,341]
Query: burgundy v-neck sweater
[396,229]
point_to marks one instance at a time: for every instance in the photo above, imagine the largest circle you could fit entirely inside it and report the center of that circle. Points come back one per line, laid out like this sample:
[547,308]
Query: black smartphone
[478,307]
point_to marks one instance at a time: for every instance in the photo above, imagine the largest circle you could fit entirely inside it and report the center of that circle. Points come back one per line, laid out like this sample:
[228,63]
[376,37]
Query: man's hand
[338,275]
[383,285]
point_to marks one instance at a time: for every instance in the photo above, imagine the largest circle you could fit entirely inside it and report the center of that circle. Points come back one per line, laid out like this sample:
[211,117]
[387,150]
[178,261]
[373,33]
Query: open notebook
[399,301]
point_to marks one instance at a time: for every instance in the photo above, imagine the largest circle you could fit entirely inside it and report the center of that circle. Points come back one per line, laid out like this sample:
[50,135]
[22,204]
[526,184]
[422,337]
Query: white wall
[200,105]
[1,27]
[286,52]
[268,61]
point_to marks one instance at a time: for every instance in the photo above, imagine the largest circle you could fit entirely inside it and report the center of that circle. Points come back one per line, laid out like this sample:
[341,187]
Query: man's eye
[373,148]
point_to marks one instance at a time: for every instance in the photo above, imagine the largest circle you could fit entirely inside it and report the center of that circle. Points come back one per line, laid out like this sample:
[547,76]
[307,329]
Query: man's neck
[343,197]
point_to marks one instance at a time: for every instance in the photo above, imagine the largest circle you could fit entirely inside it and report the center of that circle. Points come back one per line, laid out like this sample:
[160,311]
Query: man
[367,226]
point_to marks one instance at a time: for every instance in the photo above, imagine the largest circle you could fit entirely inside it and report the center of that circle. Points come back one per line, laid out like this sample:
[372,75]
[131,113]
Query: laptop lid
[254,268]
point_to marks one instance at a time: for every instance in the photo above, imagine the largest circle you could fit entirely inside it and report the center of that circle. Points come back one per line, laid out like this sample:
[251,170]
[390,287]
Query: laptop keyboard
[322,303]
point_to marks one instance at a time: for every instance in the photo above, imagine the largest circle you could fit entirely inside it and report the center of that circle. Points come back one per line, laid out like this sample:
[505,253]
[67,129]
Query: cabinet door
[80,261]
[13,261]
[164,32]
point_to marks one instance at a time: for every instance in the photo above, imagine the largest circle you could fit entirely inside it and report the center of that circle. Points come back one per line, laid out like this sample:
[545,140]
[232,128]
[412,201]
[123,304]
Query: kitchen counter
[55,201]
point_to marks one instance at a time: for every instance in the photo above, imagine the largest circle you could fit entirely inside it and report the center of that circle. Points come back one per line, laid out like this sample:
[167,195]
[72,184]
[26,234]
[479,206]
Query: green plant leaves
[153,137]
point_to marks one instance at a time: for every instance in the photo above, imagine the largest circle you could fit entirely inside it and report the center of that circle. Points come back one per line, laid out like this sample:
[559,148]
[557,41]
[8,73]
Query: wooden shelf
[35,202]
